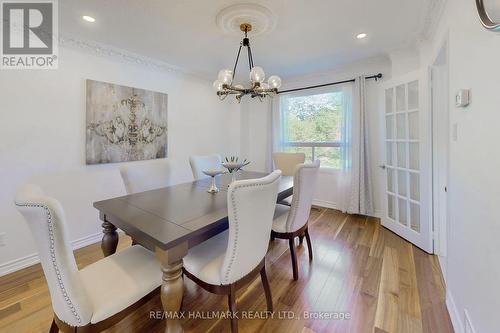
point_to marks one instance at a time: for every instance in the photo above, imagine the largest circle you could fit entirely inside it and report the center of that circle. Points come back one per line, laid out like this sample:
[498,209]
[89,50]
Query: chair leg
[291,242]
[301,239]
[53,327]
[232,308]
[267,289]
[309,245]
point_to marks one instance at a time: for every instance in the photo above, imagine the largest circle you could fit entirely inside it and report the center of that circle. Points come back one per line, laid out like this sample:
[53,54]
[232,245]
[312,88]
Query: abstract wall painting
[124,123]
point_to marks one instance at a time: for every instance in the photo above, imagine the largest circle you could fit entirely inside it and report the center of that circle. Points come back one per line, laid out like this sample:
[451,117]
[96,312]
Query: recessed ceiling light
[361,35]
[88,18]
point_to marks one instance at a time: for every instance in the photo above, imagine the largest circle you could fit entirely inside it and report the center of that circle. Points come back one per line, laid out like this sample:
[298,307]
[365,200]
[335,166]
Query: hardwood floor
[360,270]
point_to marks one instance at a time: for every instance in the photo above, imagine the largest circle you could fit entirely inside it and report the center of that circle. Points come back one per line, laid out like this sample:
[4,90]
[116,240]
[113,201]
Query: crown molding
[124,56]
[433,14]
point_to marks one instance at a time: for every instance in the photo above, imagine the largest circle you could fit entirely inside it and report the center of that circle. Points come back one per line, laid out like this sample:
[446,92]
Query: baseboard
[29,260]
[17,264]
[332,205]
[456,320]
[87,240]
[325,204]
[443,267]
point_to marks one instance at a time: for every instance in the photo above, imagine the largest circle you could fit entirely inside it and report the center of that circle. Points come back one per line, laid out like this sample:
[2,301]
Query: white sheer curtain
[274,132]
[354,186]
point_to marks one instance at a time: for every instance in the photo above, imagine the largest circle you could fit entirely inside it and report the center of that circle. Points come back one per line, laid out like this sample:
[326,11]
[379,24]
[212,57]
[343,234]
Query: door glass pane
[402,217]
[414,186]
[388,100]
[413,95]
[414,157]
[390,180]
[400,98]
[391,209]
[389,126]
[402,112]
[413,125]
[401,126]
[401,152]
[402,183]
[389,153]
[415,216]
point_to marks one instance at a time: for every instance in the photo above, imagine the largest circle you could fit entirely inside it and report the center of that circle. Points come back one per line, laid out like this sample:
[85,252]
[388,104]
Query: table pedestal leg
[109,239]
[172,288]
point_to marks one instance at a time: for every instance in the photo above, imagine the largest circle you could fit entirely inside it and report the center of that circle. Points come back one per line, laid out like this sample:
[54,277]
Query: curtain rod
[376,77]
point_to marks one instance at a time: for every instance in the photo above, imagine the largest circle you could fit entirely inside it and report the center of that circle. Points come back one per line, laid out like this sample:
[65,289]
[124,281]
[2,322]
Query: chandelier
[258,88]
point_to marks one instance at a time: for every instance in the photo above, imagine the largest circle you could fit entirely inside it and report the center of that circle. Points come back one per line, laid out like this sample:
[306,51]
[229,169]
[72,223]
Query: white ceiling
[310,35]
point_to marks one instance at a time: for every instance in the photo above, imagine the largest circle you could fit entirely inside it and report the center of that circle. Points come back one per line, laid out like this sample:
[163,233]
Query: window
[313,124]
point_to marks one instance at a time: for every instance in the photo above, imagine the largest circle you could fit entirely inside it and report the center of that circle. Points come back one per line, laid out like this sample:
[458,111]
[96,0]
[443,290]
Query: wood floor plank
[383,283]
[431,289]
[387,314]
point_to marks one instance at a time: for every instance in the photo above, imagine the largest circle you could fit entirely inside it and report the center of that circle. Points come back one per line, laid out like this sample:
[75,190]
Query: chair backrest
[207,162]
[287,162]
[304,185]
[251,204]
[140,177]
[47,222]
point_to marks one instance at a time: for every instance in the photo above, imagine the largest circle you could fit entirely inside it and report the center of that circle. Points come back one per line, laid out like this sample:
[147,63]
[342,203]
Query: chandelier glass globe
[258,88]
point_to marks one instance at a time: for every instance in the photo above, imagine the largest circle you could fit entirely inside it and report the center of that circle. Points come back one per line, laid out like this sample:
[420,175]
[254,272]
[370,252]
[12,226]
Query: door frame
[425,128]
[440,101]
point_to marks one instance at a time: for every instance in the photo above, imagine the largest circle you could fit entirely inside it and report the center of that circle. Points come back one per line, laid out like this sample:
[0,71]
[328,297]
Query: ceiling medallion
[261,18]
[258,88]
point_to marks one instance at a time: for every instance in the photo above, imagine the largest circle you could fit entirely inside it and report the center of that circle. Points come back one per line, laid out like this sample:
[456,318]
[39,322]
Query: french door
[408,187]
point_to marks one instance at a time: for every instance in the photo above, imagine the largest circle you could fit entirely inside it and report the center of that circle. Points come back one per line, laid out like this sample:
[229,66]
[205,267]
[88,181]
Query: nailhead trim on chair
[235,219]
[53,255]
[293,208]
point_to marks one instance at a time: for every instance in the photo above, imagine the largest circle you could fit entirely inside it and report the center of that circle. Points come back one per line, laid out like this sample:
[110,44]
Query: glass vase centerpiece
[212,173]
[233,165]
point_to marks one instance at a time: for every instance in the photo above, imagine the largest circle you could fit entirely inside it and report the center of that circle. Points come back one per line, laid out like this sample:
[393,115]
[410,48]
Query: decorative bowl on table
[233,165]
[212,173]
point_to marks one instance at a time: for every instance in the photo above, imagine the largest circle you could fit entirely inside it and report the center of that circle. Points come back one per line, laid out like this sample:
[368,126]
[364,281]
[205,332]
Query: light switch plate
[462,98]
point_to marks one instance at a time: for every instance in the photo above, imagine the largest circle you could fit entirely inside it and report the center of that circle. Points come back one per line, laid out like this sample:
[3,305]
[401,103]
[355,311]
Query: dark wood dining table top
[168,216]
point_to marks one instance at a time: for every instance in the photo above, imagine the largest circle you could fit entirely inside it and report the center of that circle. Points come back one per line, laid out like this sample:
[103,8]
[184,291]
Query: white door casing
[407,200]
[439,88]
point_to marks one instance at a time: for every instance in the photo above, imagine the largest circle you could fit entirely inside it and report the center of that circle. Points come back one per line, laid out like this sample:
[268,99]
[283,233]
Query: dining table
[171,220]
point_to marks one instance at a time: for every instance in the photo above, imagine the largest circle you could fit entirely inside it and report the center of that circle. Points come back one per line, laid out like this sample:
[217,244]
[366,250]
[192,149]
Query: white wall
[255,132]
[42,113]
[256,118]
[404,60]
[473,246]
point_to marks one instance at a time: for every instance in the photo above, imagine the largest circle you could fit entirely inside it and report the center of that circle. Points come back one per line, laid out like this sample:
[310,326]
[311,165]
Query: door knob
[382,166]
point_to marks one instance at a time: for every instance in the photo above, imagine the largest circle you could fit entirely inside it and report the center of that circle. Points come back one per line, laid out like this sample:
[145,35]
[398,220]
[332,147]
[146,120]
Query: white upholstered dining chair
[233,258]
[292,221]
[140,177]
[98,296]
[204,162]
[286,162]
